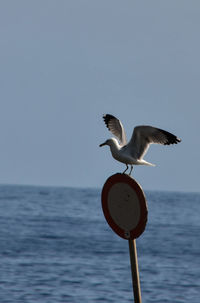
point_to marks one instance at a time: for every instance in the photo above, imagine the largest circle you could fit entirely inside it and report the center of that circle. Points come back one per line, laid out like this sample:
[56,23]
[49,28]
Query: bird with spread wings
[132,153]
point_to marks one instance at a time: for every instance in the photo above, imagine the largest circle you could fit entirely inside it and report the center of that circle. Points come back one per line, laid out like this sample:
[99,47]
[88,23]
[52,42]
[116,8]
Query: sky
[66,63]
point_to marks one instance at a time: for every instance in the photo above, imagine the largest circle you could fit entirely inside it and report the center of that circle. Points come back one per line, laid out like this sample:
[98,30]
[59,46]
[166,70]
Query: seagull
[132,153]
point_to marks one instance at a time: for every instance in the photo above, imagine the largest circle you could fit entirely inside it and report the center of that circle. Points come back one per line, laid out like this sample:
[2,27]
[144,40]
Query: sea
[56,246]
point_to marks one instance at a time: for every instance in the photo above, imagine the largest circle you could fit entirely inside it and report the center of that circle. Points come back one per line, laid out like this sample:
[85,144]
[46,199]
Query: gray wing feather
[116,127]
[143,136]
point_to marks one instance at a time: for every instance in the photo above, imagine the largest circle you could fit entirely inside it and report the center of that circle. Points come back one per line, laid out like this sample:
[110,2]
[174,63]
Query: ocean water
[55,246]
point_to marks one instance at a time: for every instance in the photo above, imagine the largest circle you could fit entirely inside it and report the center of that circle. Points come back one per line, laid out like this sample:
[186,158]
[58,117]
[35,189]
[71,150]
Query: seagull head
[110,142]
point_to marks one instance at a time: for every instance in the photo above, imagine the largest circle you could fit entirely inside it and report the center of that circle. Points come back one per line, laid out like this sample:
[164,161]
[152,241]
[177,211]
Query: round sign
[124,206]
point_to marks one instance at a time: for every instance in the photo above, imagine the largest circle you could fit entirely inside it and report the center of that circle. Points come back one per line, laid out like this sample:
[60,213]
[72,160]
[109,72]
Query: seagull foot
[125,169]
[131,170]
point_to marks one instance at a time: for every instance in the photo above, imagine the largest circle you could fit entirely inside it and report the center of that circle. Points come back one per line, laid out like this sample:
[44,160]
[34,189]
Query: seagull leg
[131,170]
[125,169]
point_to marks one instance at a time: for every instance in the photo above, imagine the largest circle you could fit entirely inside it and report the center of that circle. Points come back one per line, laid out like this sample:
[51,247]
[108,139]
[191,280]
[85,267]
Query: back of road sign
[124,206]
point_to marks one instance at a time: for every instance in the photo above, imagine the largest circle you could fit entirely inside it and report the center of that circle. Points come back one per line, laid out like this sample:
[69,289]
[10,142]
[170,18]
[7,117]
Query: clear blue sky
[65,63]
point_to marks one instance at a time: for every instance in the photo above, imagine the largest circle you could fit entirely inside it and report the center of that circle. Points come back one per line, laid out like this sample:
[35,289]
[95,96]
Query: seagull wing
[143,136]
[116,127]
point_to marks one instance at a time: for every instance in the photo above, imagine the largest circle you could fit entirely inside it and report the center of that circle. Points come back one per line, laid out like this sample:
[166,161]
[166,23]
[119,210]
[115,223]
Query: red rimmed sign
[124,206]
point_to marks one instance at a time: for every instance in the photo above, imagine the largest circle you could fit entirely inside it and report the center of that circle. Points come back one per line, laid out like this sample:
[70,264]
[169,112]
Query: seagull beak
[102,144]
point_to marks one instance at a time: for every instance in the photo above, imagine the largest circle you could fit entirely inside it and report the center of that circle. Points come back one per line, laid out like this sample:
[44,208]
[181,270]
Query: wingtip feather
[107,118]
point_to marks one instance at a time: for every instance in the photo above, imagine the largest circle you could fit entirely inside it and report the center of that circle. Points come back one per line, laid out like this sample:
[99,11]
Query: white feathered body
[122,154]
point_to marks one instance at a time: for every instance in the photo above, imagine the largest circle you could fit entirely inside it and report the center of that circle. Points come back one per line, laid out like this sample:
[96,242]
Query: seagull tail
[143,162]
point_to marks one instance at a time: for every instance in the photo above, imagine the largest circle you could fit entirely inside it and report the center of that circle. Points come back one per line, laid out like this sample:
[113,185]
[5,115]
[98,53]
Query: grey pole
[135,271]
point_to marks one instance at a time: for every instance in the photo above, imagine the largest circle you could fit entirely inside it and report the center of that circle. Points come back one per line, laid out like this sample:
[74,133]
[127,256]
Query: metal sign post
[125,209]
[135,271]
